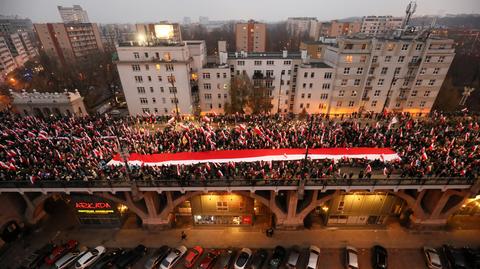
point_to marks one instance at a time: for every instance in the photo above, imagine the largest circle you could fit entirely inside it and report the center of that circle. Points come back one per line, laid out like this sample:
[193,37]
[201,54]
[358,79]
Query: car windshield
[94,252]
[165,263]
[242,259]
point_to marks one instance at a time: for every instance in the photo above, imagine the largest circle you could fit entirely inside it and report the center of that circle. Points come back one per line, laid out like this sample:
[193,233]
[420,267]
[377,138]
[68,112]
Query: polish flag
[219,173]
[368,169]
[258,131]
[385,171]
[424,156]
[207,165]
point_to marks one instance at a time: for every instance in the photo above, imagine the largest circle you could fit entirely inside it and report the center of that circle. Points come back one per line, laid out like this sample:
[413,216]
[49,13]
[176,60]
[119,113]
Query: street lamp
[301,186]
[171,79]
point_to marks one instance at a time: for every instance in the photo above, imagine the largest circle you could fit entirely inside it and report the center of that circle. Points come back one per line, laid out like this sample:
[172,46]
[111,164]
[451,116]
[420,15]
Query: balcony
[394,183]
[413,64]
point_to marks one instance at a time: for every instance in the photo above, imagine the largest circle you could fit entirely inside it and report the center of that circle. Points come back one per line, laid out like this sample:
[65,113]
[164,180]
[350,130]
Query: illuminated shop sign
[94,208]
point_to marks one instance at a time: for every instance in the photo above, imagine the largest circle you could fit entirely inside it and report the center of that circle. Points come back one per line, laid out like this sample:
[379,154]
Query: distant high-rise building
[162,31]
[73,14]
[299,26]
[187,20]
[69,42]
[203,20]
[7,62]
[380,25]
[250,36]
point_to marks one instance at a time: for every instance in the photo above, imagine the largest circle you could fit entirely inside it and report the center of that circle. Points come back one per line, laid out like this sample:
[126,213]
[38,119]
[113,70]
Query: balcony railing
[63,185]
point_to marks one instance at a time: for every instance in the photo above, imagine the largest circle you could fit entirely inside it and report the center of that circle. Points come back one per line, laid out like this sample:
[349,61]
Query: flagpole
[301,187]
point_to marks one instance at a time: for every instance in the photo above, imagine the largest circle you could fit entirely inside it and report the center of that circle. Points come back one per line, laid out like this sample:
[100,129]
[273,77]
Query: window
[169,67]
[160,78]
[326,86]
[426,94]
[146,110]
[354,93]
[380,82]
[341,93]
[369,82]
[257,62]
[436,70]
[308,105]
[224,75]
[146,54]
[428,59]
[161,89]
[172,89]
[312,75]
[167,57]
[225,96]
[390,46]
[418,82]
[301,105]
[328,75]
[151,89]
[157,66]
[441,59]
[240,62]
[208,96]
[431,82]
[414,59]
[156,111]
[423,70]
[376,93]
[356,82]
[346,70]
[154,100]
[397,104]
[414,93]
[304,85]
[321,106]
[371,71]
[351,103]
[207,86]
[401,59]
[374,59]
[136,55]
[135,67]
[305,74]
[422,104]
[163,100]
[374,103]
[405,47]
[303,95]
[363,58]
[418,47]
[309,95]
[143,101]
[147,67]
[310,85]
[269,62]
[287,62]
[138,79]
[141,89]
[384,71]
[218,75]
[324,96]
[348,58]
[359,70]
[219,96]
[388,59]
[219,105]
[149,78]
[406,82]
[339,103]
[397,70]
[344,82]
[378,47]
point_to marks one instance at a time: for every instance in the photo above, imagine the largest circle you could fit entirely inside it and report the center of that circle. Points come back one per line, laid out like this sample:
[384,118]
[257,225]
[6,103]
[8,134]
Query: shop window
[222,206]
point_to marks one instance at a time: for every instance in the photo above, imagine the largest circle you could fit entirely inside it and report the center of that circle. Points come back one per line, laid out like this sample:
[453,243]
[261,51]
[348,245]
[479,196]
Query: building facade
[163,31]
[251,36]
[46,104]
[299,26]
[380,25]
[74,14]
[7,61]
[69,42]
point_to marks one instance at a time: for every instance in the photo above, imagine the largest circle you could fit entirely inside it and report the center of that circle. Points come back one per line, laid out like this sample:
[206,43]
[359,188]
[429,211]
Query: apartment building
[396,74]
[74,14]
[69,42]
[298,26]
[334,29]
[251,36]
[380,25]
[7,62]
[165,31]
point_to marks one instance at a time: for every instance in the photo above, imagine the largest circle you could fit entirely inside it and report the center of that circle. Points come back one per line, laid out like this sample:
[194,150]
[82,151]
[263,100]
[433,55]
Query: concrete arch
[316,202]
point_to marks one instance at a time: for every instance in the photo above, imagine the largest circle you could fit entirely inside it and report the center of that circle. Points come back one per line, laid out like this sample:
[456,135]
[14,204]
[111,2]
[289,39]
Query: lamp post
[171,79]
[301,186]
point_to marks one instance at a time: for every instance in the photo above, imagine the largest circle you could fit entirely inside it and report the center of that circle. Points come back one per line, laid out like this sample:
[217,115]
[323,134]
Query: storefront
[360,209]
[96,211]
[219,209]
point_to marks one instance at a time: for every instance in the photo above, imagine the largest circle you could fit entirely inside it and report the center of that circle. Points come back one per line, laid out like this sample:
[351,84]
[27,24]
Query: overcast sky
[110,11]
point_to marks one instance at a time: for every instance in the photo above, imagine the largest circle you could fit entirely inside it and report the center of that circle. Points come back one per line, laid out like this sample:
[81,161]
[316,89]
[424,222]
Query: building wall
[298,26]
[250,37]
[73,14]
[7,62]
[22,54]
[314,89]
[45,104]
[380,25]
[213,86]
[156,88]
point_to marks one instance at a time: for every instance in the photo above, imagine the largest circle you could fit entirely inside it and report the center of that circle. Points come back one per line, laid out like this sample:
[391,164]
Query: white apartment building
[22,53]
[213,87]
[298,26]
[73,14]
[7,62]
[397,74]
[315,87]
[380,25]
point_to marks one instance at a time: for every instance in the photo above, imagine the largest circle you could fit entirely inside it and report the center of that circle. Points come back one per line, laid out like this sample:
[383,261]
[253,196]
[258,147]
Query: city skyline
[46,11]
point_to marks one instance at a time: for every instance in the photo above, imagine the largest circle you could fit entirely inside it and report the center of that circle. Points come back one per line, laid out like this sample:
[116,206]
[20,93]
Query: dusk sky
[109,11]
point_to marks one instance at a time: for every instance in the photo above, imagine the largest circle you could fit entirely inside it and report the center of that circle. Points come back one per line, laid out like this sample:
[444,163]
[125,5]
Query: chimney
[285,54]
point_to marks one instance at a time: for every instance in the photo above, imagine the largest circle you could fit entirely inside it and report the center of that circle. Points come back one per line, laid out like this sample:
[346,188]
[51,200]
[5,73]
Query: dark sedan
[279,254]
[379,257]
[130,257]
[259,258]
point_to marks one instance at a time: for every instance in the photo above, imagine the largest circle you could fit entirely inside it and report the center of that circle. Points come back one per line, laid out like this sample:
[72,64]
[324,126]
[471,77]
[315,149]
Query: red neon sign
[87,205]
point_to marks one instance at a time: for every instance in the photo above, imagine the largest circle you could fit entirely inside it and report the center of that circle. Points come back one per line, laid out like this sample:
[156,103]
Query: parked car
[243,258]
[192,256]
[432,258]
[89,257]
[156,258]
[107,260]
[293,258]
[59,251]
[173,257]
[37,258]
[225,259]
[258,259]
[130,257]
[209,260]
[279,254]
[313,256]
[379,257]
[455,258]
[68,259]
[351,258]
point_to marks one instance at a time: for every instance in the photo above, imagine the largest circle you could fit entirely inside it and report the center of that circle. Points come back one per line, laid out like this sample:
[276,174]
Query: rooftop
[263,55]
[317,65]
[150,44]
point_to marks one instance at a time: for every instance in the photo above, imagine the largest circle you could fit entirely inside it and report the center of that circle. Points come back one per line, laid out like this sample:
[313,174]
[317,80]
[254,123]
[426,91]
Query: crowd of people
[79,148]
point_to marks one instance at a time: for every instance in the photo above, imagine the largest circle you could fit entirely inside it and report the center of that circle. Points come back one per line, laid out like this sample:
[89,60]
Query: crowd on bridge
[79,148]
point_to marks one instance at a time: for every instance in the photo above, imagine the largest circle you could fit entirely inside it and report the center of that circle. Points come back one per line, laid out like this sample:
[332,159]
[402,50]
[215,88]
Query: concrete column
[290,221]
[151,202]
